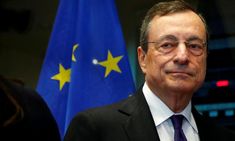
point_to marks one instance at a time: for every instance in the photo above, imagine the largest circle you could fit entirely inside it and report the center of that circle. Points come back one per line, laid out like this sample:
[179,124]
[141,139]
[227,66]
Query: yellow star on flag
[74,49]
[63,76]
[111,64]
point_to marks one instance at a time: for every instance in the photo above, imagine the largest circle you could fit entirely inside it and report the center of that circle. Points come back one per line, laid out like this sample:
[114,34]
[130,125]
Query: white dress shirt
[161,115]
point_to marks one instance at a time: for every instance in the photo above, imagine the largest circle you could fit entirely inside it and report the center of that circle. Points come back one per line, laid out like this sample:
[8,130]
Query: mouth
[180,73]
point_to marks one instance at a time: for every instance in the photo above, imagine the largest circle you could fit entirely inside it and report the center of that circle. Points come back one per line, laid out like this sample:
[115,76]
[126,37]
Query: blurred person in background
[24,115]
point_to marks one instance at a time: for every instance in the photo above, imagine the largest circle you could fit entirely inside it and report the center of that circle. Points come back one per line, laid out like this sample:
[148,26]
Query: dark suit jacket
[131,120]
[35,121]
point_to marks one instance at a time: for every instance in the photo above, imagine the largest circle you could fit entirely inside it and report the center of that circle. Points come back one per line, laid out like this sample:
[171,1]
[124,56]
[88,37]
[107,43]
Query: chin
[184,87]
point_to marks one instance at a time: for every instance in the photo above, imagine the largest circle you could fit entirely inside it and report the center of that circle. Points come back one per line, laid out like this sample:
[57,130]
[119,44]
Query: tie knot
[177,121]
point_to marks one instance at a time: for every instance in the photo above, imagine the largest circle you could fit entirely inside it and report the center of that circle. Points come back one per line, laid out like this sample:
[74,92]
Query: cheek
[156,65]
[151,64]
[201,67]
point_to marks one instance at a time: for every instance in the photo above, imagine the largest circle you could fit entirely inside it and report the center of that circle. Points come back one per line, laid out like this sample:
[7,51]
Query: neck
[176,101]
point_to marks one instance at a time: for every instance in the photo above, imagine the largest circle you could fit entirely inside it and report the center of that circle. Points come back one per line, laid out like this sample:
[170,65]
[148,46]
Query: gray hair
[161,9]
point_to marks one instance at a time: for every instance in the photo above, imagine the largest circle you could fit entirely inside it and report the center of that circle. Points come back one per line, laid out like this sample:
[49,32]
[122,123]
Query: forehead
[181,24]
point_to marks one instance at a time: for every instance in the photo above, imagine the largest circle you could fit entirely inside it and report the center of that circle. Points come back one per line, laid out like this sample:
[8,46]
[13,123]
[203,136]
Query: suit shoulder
[210,130]
[105,113]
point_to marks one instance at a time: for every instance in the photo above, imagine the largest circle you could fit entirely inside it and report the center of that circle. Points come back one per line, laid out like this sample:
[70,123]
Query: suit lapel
[204,127]
[139,125]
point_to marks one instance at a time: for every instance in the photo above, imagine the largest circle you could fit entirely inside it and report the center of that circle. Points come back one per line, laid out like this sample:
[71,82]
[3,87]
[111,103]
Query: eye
[167,45]
[195,46]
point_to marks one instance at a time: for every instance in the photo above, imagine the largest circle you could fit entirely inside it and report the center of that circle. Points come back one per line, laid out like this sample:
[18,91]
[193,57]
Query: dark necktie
[177,123]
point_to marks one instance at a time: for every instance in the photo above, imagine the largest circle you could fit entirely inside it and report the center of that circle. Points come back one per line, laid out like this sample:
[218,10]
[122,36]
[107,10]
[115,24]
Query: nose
[182,55]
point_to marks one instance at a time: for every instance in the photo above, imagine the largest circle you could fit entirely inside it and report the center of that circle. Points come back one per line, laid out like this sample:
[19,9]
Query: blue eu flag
[86,64]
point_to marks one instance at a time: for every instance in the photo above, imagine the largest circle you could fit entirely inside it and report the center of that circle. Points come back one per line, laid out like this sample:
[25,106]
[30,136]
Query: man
[24,115]
[172,55]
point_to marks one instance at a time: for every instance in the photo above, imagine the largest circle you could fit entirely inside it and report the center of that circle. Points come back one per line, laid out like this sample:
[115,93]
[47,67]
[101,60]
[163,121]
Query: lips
[180,72]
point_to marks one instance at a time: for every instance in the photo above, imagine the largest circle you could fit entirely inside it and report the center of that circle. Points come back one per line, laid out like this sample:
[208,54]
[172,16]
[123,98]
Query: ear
[142,58]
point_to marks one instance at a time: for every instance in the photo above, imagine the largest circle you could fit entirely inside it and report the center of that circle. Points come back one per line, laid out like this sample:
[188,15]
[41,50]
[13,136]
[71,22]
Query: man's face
[176,62]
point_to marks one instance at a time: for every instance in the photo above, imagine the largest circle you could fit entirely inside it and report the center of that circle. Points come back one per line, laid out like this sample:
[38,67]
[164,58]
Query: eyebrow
[174,38]
[193,38]
[167,37]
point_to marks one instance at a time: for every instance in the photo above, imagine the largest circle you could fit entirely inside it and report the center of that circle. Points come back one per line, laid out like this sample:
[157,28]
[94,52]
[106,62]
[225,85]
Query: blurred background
[26,25]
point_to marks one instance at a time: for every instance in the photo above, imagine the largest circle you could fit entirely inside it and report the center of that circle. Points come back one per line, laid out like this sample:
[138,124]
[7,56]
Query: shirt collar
[161,112]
